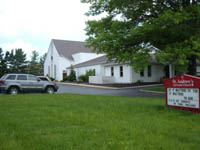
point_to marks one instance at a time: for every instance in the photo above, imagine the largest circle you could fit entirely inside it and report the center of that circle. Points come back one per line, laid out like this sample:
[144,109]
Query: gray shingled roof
[68,48]
[102,60]
[99,60]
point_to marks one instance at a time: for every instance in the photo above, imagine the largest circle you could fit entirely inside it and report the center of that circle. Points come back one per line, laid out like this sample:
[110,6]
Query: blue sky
[31,24]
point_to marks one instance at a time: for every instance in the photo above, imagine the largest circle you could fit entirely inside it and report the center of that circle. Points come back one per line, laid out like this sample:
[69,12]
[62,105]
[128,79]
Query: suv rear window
[21,77]
[3,77]
[11,77]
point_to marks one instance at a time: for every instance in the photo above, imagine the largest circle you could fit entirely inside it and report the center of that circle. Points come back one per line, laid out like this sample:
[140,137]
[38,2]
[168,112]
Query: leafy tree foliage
[41,64]
[6,62]
[20,61]
[72,75]
[33,64]
[131,27]
[34,57]
[15,62]
[2,63]
[42,58]
[85,78]
[36,64]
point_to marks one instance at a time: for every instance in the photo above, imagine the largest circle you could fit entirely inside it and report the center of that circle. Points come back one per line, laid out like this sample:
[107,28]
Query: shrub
[52,79]
[72,75]
[90,72]
[139,81]
[66,78]
[82,78]
[85,78]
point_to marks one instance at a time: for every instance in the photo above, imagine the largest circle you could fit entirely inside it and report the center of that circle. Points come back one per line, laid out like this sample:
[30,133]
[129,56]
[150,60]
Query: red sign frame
[182,81]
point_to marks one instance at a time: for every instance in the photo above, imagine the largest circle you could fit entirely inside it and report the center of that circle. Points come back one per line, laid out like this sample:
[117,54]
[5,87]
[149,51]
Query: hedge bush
[72,76]
[85,78]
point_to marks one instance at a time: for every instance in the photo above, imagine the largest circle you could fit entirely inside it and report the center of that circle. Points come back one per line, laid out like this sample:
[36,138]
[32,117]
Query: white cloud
[26,47]
[31,24]
[50,18]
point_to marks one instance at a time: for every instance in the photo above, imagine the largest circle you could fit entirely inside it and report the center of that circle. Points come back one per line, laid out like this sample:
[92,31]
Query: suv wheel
[50,90]
[13,90]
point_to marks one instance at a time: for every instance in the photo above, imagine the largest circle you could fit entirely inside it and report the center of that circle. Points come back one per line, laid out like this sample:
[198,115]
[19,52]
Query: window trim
[112,71]
[121,71]
[142,73]
[22,75]
[94,70]
[149,70]
[9,76]
[32,76]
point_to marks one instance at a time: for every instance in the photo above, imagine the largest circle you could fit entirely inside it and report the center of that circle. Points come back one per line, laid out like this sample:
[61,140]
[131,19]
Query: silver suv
[16,83]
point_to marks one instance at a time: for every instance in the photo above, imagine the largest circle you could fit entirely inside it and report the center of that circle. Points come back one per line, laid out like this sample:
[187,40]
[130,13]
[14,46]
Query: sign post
[183,92]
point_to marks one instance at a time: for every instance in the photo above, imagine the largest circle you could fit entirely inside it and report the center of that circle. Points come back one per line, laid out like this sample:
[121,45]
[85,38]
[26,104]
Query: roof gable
[98,60]
[68,48]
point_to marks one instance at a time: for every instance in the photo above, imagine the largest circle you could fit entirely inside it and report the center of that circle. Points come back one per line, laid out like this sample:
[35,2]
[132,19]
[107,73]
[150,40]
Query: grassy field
[156,89]
[81,122]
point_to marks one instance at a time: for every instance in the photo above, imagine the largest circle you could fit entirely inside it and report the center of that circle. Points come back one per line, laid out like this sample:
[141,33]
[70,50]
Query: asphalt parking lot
[130,92]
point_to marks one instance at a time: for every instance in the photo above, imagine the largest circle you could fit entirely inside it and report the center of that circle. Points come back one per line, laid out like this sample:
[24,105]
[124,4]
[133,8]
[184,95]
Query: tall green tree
[2,63]
[130,28]
[33,67]
[7,61]
[1,60]
[20,61]
[17,61]
[41,64]
[34,57]
[42,58]
[11,62]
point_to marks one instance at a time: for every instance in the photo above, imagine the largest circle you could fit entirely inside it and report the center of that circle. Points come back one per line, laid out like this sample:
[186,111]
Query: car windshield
[43,78]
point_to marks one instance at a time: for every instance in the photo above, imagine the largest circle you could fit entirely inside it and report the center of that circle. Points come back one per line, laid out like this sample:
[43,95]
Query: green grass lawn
[156,89]
[82,122]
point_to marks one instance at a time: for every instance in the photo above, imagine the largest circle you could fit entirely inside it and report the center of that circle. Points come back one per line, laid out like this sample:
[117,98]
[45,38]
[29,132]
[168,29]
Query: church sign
[183,92]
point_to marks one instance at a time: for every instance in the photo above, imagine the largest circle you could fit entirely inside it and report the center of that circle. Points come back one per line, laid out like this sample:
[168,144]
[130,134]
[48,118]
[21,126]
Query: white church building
[62,54]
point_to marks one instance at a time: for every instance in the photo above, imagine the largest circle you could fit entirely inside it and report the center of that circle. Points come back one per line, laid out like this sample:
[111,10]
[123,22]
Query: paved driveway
[130,92]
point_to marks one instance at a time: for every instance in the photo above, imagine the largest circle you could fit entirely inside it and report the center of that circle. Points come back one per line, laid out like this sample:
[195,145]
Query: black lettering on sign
[185,101]
[195,90]
[183,90]
[190,98]
[180,94]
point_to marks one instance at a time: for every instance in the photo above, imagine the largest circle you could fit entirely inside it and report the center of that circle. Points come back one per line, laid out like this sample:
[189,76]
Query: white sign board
[183,97]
